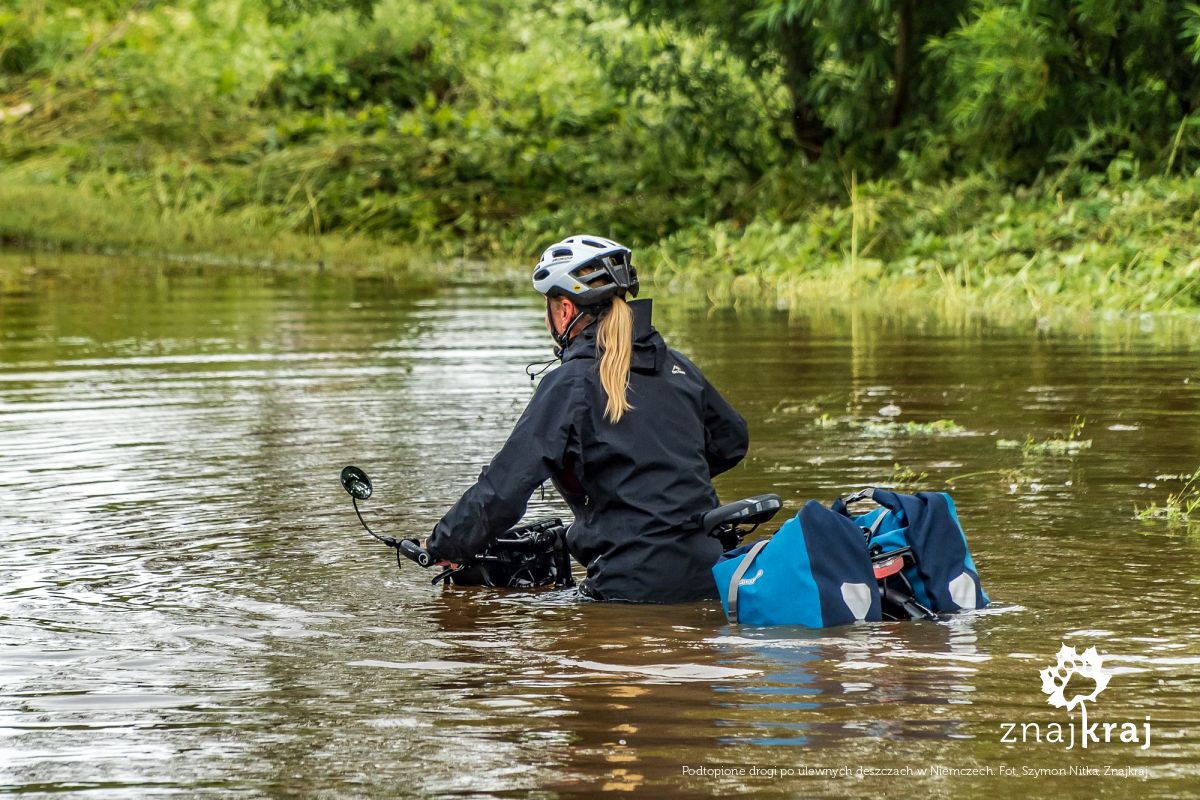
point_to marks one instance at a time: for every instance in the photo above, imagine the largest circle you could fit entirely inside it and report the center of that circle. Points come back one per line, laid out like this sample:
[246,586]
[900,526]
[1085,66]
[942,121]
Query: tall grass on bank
[55,217]
[1127,246]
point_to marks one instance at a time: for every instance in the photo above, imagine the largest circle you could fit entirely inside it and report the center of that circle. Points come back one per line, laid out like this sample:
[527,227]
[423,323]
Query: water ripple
[187,606]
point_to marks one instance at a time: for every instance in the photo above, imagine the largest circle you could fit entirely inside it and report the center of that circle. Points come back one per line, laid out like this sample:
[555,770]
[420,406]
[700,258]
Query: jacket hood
[649,349]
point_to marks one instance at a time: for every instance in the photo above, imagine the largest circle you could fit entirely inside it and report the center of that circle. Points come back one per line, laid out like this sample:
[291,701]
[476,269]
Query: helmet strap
[564,339]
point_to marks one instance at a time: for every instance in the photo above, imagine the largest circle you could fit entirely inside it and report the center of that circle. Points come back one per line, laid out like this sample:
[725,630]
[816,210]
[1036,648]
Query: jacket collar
[649,349]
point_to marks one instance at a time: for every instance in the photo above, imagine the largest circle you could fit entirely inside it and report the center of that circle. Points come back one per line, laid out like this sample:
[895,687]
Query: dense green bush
[989,84]
[967,140]
[443,123]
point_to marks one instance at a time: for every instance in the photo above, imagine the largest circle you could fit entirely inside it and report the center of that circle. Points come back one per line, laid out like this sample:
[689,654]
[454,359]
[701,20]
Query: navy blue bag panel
[841,565]
[944,564]
[814,571]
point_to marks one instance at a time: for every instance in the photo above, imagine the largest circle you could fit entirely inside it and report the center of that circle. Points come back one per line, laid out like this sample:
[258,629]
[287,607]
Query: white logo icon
[751,581]
[675,370]
[1070,663]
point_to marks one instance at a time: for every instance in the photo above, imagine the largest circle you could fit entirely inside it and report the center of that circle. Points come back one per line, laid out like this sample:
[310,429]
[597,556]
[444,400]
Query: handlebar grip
[412,550]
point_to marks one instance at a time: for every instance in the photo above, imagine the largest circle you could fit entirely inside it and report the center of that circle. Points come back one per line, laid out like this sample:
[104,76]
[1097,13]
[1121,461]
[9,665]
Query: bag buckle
[861,494]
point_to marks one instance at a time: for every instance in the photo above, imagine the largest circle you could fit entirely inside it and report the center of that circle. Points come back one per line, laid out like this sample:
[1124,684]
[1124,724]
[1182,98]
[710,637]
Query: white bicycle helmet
[588,270]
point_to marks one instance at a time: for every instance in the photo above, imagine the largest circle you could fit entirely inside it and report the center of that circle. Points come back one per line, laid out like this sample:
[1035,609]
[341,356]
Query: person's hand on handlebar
[443,562]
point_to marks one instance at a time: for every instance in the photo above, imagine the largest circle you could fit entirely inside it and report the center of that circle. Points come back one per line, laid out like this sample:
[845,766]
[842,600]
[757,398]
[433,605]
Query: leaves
[730,129]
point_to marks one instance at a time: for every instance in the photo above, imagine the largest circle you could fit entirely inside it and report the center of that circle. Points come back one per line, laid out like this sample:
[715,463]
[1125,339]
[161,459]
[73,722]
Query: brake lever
[448,573]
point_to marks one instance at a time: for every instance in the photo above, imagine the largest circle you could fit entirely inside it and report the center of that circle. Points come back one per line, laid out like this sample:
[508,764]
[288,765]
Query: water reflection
[187,604]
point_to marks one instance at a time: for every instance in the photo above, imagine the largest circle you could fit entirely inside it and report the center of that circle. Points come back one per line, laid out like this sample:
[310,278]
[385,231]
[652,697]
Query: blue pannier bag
[817,570]
[944,577]
[814,571]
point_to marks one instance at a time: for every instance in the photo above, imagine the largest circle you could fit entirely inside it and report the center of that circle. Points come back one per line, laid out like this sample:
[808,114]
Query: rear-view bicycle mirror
[356,483]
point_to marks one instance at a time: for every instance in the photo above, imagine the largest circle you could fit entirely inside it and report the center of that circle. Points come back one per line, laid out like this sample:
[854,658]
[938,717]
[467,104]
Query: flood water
[189,608]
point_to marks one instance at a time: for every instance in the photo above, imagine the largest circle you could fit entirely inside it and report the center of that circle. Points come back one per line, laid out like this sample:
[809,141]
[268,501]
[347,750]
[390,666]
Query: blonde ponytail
[615,341]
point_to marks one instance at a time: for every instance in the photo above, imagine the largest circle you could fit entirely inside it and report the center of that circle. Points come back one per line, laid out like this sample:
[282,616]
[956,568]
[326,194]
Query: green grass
[905,479]
[964,246]
[1066,443]
[961,249]
[1180,507]
[938,427]
[57,217]
[883,428]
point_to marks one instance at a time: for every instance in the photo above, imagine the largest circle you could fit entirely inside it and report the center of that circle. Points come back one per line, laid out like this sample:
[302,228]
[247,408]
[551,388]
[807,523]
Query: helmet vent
[541,274]
[590,243]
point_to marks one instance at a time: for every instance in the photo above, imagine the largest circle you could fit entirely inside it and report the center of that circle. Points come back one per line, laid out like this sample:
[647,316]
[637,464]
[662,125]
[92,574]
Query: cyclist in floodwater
[629,431]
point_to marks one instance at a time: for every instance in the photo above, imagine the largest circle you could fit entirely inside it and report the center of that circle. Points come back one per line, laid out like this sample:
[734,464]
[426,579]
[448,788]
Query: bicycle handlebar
[411,548]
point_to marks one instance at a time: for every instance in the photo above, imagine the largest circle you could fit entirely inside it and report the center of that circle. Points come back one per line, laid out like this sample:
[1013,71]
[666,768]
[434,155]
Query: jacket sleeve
[535,449]
[726,437]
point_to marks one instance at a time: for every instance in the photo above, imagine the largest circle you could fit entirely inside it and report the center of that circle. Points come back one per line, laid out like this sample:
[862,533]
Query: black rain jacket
[635,487]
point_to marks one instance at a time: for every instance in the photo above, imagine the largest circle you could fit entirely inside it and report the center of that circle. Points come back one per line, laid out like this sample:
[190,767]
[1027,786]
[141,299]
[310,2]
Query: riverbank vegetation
[1181,506]
[1040,156]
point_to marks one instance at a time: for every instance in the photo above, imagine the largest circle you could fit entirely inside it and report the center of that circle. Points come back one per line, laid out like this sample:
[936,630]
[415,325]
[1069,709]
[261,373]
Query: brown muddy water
[188,607]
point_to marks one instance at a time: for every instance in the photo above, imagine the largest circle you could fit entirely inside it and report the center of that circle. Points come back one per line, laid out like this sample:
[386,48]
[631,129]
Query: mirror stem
[389,541]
